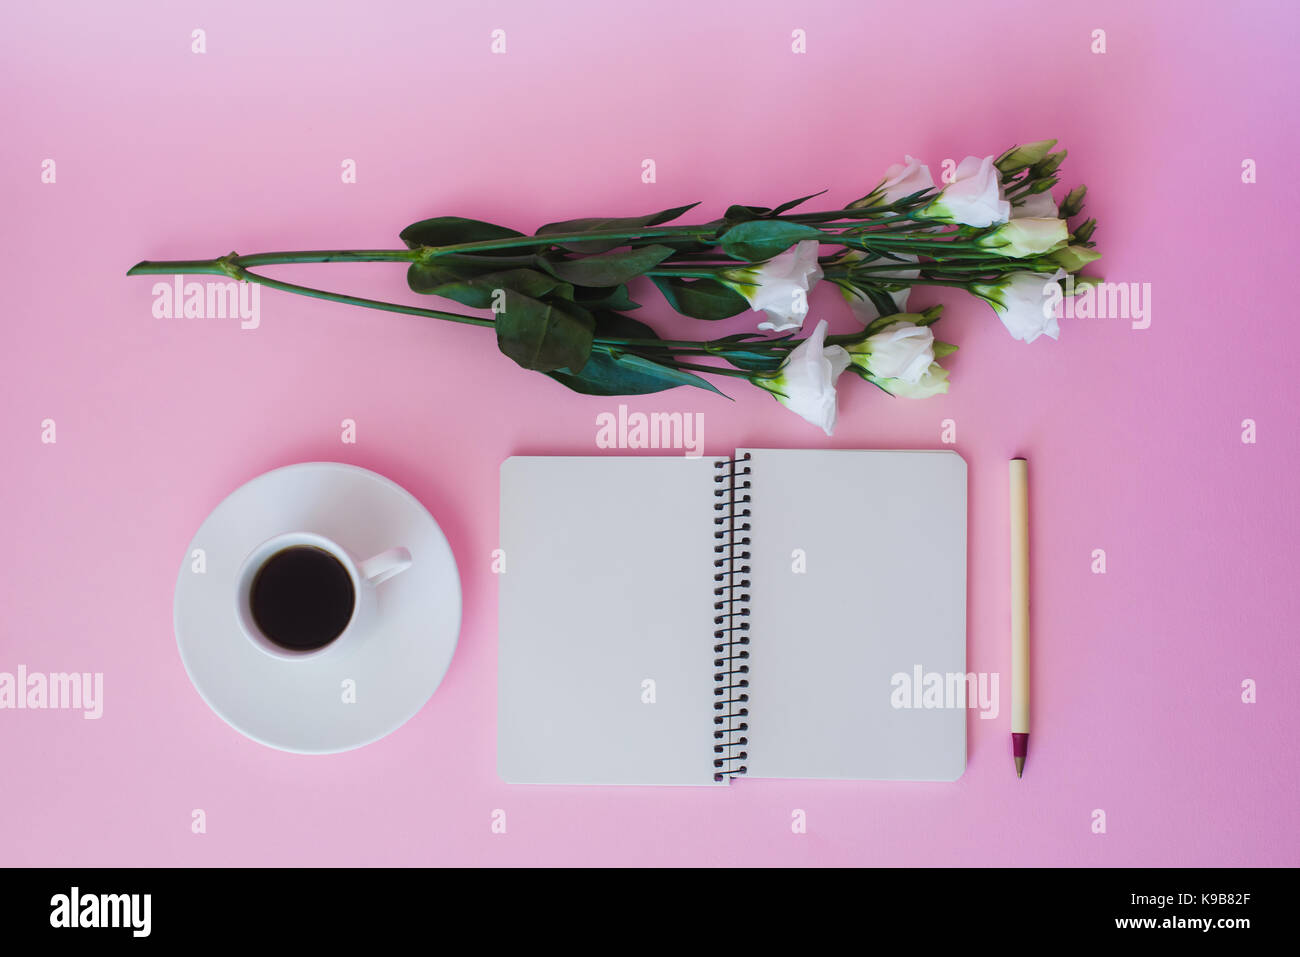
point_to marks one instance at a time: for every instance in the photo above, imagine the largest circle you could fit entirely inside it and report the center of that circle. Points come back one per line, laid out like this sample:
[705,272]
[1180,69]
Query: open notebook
[685,620]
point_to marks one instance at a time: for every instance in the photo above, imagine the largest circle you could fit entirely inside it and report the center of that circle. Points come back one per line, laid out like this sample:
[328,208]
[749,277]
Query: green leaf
[762,239]
[615,325]
[697,245]
[882,300]
[610,269]
[742,358]
[632,370]
[786,207]
[626,373]
[701,298]
[745,214]
[942,349]
[747,336]
[426,279]
[478,292]
[453,230]
[751,361]
[603,297]
[622,224]
[544,335]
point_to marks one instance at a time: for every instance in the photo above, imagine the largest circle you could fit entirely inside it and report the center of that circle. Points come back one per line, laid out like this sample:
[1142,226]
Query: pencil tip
[1020,767]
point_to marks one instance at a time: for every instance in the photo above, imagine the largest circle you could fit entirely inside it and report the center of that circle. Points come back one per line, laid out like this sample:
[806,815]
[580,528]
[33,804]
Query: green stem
[937,282]
[909,203]
[214,267]
[199,267]
[686,273]
[906,226]
[707,347]
[892,264]
[496,262]
[467,251]
[868,240]
[329,256]
[907,220]
[233,267]
[961,269]
[714,370]
[427,253]
[358,301]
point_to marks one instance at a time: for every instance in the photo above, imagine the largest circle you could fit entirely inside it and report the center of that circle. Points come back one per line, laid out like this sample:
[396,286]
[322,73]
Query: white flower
[1035,206]
[779,287]
[934,382]
[805,383]
[1024,303]
[901,180]
[1027,237]
[919,378]
[973,198]
[863,308]
[902,350]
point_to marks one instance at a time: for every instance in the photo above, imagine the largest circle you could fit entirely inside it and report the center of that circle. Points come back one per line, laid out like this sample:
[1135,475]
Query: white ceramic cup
[366,577]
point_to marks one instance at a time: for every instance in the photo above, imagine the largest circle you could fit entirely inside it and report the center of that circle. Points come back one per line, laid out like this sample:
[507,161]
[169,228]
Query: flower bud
[1027,237]
[1074,258]
[1073,201]
[1048,165]
[1020,157]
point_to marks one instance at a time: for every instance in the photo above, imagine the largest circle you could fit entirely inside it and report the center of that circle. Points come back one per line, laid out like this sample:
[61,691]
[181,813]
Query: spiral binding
[731,634]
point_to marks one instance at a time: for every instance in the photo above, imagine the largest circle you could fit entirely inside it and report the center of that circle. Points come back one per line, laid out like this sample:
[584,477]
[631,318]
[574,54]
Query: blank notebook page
[858,574]
[608,585]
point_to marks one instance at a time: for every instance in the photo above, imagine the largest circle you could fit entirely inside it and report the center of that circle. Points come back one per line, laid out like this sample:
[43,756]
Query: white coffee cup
[366,576]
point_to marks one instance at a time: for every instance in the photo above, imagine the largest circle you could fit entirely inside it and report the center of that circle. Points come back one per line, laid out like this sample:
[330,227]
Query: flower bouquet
[559,299]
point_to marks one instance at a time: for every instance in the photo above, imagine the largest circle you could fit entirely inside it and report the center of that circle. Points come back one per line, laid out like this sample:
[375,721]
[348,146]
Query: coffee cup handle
[385,565]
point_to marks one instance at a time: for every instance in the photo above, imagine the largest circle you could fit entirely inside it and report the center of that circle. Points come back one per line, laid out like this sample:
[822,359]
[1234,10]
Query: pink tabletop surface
[1135,436]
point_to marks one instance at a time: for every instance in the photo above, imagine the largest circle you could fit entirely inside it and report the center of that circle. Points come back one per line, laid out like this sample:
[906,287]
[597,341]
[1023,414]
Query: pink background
[1134,436]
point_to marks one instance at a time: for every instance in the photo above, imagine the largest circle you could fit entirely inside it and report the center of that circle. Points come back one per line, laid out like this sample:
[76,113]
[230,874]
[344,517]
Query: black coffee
[302,598]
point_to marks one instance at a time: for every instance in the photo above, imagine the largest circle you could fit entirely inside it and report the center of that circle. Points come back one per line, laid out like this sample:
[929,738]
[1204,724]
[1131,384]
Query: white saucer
[299,705]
